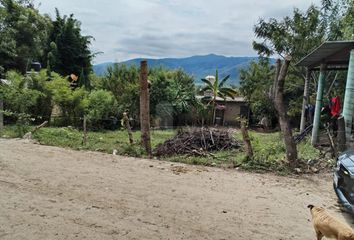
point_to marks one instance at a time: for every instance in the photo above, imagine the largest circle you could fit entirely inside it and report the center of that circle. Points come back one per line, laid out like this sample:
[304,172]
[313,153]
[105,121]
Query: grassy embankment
[268,147]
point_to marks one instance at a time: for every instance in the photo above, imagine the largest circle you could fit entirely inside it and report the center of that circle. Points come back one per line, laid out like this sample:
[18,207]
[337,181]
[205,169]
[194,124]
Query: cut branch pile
[197,141]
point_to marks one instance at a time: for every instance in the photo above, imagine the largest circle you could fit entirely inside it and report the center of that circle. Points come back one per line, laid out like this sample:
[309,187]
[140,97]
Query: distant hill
[198,66]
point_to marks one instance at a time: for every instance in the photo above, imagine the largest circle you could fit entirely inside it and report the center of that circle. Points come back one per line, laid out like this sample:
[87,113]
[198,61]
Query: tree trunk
[290,146]
[145,108]
[246,139]
[127,125]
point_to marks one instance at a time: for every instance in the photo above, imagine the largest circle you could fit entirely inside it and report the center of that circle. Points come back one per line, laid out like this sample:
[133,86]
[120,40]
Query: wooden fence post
[145,107]
[1,114]
[246,139]
[84,140]
[127,125]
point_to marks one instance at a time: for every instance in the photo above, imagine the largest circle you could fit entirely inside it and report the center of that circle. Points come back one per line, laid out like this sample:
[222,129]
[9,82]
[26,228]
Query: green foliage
[295,35]
[269,153]
[24,33]
[43,107]
[68,50]
[71,102]
[255,84]
[299,34]
[18,97]
[123,82]
[171,93]
[101,105]
[217,89]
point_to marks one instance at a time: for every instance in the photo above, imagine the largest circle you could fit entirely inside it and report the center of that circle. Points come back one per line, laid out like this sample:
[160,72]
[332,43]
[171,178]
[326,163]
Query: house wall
[232,112]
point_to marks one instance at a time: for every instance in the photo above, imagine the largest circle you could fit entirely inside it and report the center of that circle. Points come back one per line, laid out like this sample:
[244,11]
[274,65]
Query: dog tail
[310,206]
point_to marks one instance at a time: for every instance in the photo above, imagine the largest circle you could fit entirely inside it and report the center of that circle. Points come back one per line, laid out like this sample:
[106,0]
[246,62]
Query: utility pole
[145,107]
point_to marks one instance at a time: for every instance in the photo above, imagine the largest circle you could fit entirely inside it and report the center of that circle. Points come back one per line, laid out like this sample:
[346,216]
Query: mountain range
[198,66]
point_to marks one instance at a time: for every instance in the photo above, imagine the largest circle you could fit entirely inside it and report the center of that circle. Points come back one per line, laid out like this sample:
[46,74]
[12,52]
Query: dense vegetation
[58,44]
[66,89]
[296,36]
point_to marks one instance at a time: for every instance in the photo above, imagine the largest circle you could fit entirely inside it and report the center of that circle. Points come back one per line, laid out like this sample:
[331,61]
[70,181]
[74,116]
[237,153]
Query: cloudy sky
[125,29]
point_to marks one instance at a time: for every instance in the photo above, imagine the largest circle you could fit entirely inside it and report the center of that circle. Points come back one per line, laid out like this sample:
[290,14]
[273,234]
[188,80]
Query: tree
[171,94]
[255,82]
[71,102]
[122,82]
[67,49]
[296,36]
[299,34]
[278,98]
[17,97]
[100,107]
[218,89]
[24,33]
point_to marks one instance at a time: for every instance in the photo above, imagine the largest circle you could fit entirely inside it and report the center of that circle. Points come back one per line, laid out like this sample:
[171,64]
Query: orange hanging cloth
[335,106]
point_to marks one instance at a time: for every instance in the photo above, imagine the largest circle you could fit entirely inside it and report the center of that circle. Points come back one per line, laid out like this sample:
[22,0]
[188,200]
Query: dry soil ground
[53,193]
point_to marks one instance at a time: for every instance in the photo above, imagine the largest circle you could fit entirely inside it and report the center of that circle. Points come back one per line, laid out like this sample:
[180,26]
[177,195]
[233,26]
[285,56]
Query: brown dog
[327,226]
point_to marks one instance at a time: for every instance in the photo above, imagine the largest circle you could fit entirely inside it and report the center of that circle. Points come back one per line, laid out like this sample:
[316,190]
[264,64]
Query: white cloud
[125,29]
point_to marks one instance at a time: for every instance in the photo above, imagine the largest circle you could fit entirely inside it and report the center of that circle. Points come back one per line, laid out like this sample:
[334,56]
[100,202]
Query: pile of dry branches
[197,141]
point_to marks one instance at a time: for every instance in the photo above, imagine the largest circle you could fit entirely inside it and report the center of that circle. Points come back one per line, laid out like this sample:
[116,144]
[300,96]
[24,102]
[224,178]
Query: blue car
[343,179]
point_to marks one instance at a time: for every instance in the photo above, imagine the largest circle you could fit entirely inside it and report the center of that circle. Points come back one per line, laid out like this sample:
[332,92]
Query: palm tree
[218,89]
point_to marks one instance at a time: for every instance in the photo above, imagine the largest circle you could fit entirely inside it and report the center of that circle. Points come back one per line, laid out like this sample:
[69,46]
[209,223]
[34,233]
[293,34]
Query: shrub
[101,109]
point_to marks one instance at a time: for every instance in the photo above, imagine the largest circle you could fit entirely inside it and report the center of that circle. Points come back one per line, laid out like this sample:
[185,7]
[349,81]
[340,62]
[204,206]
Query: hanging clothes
[335,106]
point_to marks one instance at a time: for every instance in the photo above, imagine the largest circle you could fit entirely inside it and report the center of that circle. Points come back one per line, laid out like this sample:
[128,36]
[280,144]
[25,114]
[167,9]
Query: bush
[71,102]
[19,98]
[101,109]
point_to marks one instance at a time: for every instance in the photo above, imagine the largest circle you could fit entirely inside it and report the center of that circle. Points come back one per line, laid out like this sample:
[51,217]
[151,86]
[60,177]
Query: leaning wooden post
[305,101]
[145,107]
[127,126]
[246,139]
[319,99]
[84,140]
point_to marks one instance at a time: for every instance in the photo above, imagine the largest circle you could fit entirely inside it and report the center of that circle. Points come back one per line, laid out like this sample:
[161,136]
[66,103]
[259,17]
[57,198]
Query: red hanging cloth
[335,106]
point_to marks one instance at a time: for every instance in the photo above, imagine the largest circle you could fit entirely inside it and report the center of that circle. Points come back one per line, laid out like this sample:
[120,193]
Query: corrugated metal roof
[228,99]
[335,54]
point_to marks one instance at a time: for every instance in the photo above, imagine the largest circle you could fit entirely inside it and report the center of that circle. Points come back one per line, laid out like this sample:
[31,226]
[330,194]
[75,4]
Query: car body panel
[343,179]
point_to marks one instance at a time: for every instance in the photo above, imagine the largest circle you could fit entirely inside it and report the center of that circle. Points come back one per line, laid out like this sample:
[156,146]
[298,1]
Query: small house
[228,110]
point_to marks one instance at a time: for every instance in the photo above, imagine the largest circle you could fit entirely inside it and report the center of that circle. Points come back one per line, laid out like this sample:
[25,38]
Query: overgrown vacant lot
[54,193]
[269,149]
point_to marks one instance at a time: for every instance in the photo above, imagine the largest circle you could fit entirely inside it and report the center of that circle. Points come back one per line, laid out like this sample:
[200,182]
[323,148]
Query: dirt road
[53,193]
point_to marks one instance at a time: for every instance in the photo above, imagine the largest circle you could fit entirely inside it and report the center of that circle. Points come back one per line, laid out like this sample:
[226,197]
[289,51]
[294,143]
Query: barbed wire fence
[86,124]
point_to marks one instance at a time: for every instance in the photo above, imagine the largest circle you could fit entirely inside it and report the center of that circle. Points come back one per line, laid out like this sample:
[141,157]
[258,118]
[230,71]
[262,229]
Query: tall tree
[278,99]
[123,82]
[23,34]
[297,35]
[68,50]
[255,82]
[171,93]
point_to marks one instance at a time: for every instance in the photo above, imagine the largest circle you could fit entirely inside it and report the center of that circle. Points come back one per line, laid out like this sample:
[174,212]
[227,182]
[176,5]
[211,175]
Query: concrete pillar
[348,106]
[319,100]
[305,101]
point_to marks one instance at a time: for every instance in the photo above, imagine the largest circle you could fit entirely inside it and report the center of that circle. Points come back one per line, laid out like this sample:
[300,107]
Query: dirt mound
[197,141]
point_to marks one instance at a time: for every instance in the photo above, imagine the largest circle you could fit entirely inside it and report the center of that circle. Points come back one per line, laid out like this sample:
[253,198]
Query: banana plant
[218,89]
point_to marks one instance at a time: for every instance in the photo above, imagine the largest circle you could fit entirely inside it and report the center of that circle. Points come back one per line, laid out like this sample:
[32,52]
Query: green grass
[269,150]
